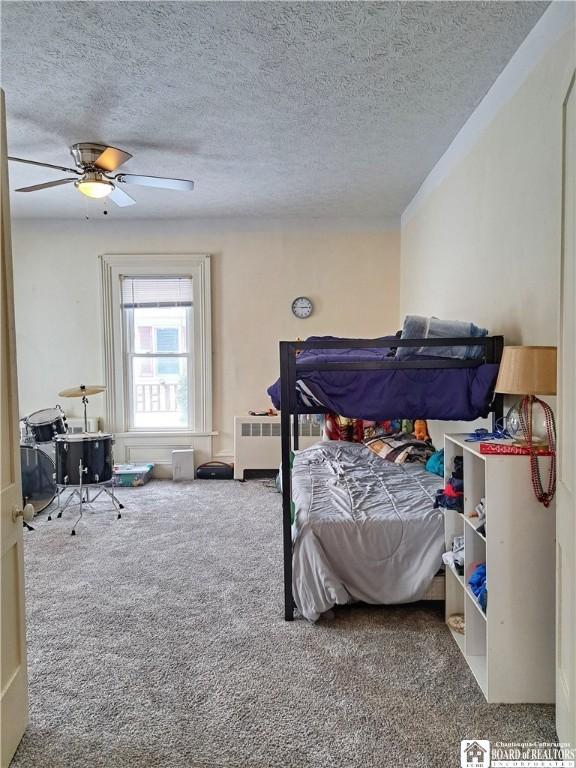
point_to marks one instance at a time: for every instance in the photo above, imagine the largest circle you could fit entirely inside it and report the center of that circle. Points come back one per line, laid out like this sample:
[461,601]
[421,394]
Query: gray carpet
[158,641]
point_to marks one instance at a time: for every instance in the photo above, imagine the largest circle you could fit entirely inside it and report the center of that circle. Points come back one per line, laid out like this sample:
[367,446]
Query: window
[157,330]
[157,315]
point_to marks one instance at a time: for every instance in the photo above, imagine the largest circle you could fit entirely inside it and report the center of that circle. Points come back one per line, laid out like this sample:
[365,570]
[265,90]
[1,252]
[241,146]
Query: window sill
[163,433]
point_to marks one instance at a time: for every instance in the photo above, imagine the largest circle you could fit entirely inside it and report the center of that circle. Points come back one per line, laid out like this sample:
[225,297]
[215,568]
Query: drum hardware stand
[85,404]
[78,490]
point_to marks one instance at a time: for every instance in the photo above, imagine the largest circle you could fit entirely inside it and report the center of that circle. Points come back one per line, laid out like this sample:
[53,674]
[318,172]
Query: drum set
[55,462]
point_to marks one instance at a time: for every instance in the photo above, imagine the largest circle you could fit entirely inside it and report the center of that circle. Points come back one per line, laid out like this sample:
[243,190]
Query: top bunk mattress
[447,394]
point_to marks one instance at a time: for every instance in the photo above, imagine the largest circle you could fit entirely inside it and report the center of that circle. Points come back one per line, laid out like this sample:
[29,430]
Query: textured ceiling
[276,110]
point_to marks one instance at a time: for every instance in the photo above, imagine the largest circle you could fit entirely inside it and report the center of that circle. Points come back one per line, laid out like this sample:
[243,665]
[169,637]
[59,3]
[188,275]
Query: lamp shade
[527,371]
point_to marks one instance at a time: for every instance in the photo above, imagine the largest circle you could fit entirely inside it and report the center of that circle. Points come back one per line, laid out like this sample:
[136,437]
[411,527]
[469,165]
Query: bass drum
[44,425]
[38,484]
[93,450]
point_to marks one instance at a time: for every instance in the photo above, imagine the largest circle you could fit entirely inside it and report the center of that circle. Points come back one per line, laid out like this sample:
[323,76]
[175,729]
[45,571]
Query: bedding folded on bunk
[418,327]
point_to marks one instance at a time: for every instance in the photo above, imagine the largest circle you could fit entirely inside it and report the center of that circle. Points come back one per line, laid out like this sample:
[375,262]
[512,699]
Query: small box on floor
[132,475]
[183,464]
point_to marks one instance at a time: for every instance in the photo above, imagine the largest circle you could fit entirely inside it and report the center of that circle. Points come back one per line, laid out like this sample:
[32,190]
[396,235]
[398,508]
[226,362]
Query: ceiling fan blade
[45,165]
[156,181]
[45,185]
[111,159]
[120,197]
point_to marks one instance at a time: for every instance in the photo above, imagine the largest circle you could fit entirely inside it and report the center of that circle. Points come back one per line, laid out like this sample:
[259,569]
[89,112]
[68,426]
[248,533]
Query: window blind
[156,292]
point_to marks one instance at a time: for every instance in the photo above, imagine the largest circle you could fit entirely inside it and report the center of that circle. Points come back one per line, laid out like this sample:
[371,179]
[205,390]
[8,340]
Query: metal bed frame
[289,416]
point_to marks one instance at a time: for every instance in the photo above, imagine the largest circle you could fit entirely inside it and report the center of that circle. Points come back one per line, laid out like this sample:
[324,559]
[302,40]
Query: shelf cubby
[475,482]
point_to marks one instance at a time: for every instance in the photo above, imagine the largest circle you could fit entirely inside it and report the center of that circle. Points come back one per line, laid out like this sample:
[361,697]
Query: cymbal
[82,390]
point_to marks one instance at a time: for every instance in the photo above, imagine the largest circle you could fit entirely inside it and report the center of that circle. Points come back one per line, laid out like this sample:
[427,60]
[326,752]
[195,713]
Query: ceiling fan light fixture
[94,186]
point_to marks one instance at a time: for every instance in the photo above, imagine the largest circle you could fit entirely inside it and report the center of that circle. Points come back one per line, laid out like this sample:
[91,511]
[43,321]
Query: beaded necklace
[525,416]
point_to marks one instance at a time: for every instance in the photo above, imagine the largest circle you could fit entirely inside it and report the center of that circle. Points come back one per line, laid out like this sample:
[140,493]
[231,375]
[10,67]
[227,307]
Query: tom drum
[93,450]
[46,424]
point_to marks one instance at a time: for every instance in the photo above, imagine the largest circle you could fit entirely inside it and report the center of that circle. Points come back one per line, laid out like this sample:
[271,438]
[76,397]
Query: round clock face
[302,307]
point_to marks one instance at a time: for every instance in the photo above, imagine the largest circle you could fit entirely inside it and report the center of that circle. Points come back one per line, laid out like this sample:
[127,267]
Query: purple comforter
[450,394]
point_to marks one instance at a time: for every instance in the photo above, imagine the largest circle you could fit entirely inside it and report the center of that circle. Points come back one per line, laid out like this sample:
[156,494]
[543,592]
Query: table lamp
[531,371]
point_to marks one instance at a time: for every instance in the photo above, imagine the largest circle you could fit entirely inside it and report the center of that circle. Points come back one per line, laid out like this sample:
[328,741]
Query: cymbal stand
[85,404]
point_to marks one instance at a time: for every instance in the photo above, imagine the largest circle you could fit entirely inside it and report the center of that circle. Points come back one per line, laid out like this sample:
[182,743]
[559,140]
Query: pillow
[418,327]
[401,448]
[435,463]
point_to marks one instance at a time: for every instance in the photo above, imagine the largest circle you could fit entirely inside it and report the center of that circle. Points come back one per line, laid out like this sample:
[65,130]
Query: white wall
[352,278]
[481,239]
[484,243]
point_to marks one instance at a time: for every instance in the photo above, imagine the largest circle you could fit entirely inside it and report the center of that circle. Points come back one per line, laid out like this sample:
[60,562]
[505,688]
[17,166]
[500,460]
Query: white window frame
[117,378]
[130,355]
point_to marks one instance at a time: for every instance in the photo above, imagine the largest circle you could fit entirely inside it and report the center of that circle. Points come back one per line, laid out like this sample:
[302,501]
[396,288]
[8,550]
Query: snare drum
[46,424]
[94,450]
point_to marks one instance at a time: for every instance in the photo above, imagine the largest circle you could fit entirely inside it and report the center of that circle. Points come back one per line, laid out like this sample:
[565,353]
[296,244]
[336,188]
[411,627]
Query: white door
[14,679]
[566,493]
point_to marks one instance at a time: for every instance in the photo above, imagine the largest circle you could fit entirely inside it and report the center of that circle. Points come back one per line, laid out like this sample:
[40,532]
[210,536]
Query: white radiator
[76,425]
[257,441]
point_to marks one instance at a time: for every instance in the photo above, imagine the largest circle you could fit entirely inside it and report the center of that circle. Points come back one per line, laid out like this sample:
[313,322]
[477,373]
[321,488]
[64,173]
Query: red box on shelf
[513,449]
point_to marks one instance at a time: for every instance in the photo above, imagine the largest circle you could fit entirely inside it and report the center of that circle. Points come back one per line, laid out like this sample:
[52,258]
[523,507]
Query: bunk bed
[365,379]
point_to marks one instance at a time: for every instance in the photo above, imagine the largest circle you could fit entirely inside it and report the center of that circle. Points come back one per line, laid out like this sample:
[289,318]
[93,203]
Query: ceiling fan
[95,163]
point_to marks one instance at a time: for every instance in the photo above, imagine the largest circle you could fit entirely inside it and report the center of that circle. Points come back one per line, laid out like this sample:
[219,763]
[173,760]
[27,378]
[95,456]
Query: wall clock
[302,307]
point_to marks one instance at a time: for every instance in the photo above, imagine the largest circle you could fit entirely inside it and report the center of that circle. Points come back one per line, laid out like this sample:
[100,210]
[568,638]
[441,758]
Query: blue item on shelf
[481,435]
[477,584]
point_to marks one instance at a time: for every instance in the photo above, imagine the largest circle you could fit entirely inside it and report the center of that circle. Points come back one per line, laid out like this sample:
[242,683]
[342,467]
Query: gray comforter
[365,529]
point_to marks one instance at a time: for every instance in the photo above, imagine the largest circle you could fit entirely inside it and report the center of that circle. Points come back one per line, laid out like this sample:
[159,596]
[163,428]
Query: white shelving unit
[510,648]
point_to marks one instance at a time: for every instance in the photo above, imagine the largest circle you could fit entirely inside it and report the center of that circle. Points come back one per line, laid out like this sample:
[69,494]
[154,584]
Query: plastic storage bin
[132,475]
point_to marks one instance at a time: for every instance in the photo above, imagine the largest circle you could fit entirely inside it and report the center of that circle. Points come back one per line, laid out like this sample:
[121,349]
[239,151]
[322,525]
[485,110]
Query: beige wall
[485,244]
[352,278]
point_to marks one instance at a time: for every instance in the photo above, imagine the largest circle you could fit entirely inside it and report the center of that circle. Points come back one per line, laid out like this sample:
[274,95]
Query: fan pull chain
[525,415]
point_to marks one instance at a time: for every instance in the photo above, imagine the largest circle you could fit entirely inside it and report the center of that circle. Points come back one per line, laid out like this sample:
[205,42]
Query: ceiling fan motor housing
[86,153]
